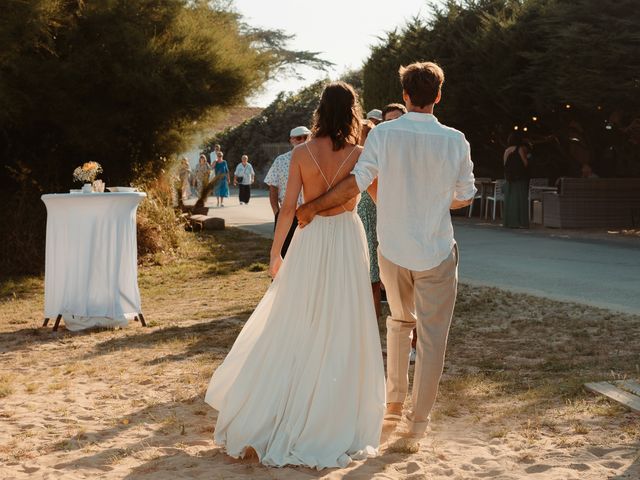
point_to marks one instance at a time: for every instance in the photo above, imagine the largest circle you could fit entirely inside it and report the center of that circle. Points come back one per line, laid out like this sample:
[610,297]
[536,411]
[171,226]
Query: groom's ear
[438,98]
[406,98]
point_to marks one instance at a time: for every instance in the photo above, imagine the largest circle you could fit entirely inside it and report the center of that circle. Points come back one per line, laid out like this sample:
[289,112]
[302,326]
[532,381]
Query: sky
[341,30]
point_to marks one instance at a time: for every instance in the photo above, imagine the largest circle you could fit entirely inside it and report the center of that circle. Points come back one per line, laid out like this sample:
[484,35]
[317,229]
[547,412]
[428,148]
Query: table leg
[144,324]
[55,325]
[46,321]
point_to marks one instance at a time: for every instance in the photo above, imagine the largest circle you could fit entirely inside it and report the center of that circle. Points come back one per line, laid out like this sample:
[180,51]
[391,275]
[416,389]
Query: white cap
[299,131]
[376,114]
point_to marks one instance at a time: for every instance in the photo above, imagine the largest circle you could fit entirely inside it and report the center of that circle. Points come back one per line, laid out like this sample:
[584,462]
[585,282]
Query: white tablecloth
[91,271]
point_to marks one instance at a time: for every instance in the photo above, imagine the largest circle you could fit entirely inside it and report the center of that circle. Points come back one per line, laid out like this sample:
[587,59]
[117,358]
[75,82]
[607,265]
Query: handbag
[240,178]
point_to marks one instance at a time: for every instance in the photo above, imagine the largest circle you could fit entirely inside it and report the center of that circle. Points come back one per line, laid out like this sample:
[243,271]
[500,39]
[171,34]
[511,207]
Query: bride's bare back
[321,167]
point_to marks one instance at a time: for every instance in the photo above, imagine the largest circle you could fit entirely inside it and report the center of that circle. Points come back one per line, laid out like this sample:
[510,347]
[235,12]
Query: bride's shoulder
[299,150]
[357,150]
[300,154]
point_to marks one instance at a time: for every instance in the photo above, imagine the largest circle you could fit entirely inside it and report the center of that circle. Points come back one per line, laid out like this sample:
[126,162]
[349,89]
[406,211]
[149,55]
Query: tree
[273,124]
[119,82]
[564,63]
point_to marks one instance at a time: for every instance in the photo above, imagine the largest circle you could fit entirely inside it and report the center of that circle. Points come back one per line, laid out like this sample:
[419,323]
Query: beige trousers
[424,300]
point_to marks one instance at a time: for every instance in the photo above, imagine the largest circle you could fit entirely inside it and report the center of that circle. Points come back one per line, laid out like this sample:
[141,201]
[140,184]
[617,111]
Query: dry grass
[120,402]
[6,385]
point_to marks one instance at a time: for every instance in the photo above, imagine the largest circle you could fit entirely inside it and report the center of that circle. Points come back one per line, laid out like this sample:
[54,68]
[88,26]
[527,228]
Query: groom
[424,169]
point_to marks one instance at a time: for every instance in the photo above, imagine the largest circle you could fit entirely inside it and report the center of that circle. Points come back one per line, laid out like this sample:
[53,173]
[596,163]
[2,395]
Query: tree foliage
[273,124]
[119,82]
[507,61]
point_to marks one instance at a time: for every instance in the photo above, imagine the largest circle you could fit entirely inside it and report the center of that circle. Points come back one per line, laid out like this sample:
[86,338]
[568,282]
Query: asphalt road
[598,273]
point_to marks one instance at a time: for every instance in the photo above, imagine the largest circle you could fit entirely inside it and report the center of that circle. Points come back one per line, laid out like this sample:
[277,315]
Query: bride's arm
[287,212]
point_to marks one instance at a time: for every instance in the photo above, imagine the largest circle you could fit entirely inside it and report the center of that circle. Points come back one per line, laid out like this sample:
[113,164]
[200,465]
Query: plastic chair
[495,197]
[481,183]
[477,196]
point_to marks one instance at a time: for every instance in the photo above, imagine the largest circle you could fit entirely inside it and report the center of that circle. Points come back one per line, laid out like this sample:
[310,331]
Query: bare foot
[250,454]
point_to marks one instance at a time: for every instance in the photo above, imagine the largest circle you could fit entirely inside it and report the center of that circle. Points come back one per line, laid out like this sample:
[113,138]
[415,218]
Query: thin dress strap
[330,184]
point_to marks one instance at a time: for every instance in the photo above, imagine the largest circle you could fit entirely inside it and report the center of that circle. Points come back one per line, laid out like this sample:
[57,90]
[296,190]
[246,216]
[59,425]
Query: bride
[304,382]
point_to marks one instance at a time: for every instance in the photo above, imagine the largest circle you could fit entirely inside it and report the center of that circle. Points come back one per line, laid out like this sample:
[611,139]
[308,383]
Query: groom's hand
[456,204]
[305,214]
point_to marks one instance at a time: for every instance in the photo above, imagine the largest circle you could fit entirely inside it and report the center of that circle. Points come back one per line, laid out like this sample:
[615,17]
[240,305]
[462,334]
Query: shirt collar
[420,117]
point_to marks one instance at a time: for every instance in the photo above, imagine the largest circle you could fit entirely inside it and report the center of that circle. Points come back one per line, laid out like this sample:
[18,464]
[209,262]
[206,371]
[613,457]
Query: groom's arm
[456,204]
[465,184]
[338,195]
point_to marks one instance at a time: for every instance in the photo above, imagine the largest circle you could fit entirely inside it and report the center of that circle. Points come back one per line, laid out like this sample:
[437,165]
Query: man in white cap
[278,176]
[375,116]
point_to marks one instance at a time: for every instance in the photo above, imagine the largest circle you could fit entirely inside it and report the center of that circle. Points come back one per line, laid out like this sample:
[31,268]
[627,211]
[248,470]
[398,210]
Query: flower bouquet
[87,173]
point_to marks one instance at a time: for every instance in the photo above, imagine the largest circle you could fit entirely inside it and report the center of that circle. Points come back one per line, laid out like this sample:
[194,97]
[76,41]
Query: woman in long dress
[220,168]
[516,186]
[202,173]
[368,214]
[304,382]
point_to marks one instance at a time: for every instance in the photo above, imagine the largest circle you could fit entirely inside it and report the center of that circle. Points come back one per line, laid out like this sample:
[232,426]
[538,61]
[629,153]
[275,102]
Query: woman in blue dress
[222,188]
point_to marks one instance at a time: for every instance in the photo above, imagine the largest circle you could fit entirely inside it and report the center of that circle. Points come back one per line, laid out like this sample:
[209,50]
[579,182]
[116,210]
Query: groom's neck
[427,109]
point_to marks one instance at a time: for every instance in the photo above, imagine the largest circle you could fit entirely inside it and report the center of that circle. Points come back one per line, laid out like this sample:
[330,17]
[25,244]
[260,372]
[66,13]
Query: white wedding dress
[304,382]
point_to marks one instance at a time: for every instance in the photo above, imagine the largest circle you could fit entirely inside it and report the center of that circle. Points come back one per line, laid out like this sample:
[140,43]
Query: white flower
[87,172]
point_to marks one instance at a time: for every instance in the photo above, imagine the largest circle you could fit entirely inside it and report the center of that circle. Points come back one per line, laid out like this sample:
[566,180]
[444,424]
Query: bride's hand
[274,265]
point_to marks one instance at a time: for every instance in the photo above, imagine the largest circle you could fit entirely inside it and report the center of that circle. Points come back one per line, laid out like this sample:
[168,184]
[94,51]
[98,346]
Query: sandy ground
[129,403]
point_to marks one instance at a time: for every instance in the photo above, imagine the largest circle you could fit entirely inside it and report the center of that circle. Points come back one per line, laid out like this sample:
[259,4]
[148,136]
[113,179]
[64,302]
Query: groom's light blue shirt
[421,167]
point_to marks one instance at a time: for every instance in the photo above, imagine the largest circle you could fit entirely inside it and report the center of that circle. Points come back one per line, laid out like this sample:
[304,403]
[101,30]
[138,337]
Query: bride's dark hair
[338,115]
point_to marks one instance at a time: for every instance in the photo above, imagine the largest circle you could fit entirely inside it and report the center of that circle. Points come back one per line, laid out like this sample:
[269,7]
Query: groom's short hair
[422,81]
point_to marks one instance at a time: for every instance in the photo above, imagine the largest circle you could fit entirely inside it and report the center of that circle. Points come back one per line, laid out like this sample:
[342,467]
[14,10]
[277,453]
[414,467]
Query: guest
[184,175]
[368,214]
[375,116]
[222,188]
[580,152]
[393,111]
[214,154]
[244,177]
[367,207]
[277,178]
[516,186]
[202,173]
[587,172]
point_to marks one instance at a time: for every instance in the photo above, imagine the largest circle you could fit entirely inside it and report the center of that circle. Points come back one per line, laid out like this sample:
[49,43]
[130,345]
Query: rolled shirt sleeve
[465,185]
[271,179]
[366,168]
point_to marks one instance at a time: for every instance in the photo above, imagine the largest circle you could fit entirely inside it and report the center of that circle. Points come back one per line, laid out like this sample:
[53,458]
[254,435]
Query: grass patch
[258,267]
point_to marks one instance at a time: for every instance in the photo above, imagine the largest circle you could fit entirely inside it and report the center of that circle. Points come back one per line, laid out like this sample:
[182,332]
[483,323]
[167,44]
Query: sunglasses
[300,137]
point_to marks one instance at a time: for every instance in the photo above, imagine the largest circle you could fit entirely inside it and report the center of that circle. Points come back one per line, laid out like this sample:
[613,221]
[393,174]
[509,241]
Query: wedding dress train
[304,382]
